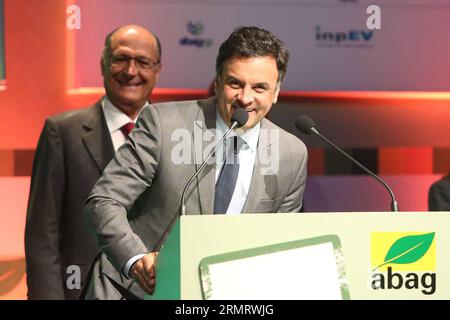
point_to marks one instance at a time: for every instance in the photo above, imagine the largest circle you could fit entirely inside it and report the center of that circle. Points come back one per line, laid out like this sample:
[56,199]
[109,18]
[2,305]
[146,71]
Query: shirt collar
[115,118]
[249,136]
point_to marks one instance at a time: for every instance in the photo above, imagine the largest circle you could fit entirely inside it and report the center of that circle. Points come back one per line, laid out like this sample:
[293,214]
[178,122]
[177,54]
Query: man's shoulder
[443,183]
[183,106]
[177,114]
[75,117]
[286,139]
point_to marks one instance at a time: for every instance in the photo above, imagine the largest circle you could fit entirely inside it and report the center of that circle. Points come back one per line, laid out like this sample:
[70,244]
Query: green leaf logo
[408,249]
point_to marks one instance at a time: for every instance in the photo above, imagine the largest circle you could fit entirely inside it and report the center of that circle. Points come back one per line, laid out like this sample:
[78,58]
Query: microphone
[306,125]
[238,119]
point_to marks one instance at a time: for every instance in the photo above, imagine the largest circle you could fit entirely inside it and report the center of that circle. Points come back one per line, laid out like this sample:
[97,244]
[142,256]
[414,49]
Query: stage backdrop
[330,44]
[2,43]
[401,136]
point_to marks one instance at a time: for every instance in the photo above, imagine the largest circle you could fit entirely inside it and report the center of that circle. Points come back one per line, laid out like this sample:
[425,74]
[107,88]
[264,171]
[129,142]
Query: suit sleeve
[45,207]
[126,177]
[439,198]
[294,199]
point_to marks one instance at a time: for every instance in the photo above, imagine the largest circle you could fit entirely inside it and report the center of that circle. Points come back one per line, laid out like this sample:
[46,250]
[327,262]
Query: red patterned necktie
[126,129]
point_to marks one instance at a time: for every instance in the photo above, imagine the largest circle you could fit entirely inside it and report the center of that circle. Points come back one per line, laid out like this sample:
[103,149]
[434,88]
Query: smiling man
[73,149]
[131,63]
[261,169]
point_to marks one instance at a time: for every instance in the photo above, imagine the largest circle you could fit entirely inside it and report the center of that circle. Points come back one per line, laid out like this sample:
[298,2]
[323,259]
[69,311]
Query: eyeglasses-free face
[248,83]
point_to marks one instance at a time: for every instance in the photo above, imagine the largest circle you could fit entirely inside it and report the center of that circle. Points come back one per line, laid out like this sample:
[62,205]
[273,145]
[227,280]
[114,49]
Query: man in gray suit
[73,149]
[139,192]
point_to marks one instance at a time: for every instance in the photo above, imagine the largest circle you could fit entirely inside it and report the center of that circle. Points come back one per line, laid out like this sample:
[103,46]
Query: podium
[354,255]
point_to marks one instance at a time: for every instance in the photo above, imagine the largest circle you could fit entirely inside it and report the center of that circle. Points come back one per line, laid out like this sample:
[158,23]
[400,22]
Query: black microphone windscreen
[304,124]
[240,116]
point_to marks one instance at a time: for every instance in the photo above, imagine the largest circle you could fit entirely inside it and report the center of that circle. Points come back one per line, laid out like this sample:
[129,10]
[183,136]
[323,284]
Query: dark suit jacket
[439,195]
[73,149]
[139,192]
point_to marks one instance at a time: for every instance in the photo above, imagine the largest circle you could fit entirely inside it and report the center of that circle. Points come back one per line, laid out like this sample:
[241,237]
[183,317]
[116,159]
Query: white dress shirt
[247,156]
[116,119]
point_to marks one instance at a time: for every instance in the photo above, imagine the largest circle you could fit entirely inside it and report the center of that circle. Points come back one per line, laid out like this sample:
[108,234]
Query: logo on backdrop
[353,38]
[403,261]
[195,30]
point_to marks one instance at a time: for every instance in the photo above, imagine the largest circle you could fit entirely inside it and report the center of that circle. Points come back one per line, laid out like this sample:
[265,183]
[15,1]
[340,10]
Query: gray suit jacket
[73,149]
[144,169]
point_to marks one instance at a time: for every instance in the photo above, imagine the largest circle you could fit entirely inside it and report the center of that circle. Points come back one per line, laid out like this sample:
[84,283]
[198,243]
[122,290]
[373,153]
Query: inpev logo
[395,253]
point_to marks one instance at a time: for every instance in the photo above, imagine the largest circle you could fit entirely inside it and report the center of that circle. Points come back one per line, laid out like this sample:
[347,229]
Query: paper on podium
[303,269]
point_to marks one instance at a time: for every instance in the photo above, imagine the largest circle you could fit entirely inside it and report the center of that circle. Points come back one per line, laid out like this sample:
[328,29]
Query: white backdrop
[411,51]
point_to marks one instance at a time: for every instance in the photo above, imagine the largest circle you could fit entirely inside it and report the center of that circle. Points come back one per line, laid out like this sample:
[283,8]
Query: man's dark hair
[247,42]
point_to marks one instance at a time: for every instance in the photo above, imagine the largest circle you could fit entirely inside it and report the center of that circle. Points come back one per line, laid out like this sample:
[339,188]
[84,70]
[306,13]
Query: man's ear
[216,84]
[102,65]
[158,70]
[275,95]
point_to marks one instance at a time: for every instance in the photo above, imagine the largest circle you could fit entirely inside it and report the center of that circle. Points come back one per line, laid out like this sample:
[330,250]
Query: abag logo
[393,253]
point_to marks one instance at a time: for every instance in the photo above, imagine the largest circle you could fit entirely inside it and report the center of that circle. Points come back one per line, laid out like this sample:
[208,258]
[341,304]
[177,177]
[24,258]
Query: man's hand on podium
[143,272]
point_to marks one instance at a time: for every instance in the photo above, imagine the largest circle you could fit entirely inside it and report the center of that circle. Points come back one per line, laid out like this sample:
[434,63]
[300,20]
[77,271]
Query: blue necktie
[227,179]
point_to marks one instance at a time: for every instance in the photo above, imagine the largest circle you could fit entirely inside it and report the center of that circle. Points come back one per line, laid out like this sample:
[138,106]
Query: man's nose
[132,68]
[245,96]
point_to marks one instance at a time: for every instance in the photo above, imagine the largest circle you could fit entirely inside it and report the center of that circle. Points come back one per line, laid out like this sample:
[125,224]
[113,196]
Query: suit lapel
[97,138]
[257,184]
[205,180]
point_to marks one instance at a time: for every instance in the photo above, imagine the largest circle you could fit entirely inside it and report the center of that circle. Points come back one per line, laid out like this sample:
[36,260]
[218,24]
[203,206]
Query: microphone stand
[394,203]
[183,196]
